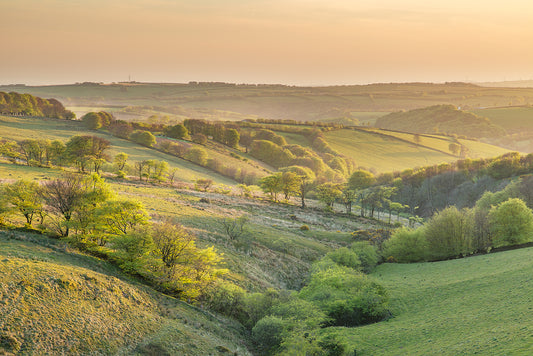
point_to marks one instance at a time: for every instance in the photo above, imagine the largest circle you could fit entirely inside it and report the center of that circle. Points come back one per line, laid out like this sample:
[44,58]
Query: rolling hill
[441,118]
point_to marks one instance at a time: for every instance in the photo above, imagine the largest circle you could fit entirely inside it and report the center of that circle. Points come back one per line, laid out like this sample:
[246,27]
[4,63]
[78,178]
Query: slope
[440,118]
[477,305]
[56,301]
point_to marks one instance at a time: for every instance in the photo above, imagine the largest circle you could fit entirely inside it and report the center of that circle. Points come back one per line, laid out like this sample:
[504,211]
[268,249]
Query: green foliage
[345,257]
[145,138]
[328,193]
[177,131]
[349,298]
[234,227]
[24,197]
[367,254]
[361,179]
[29,105]
[511,223]
[406,245]
[96,120]
[268,333]
[449,233]
[197,155]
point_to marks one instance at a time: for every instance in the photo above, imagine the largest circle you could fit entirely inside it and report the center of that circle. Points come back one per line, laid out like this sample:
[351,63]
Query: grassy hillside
[56,301]
[16,128]
[513,119]
[274,101]
[478,305]
[440,118]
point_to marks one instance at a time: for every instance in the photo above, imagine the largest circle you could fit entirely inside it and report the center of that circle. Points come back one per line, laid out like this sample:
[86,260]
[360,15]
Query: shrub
[345,257]
[304,228]
[349,298]
[367,254]
[449,233]
[511,223]
[268,333]
[228,299]
[406,245]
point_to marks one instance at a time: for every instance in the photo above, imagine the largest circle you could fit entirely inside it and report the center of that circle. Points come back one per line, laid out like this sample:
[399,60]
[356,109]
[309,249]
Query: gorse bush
[367,254]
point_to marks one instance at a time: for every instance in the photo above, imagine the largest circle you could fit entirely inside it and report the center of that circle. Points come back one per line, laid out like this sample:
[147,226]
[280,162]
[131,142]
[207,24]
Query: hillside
[54,300]
[477,305]
[441,118]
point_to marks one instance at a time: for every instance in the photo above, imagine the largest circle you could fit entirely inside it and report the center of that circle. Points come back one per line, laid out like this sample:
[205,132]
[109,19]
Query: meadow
[476,305]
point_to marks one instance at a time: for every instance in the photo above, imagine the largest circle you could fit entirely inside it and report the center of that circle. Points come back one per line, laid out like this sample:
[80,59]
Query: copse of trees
[29,105]
[96,120]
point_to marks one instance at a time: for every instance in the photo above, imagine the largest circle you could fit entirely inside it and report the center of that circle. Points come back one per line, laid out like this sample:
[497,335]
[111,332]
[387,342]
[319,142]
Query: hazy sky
[308,42]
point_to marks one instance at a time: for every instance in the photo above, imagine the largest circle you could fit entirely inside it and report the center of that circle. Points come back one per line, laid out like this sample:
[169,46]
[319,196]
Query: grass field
[478,305]
[386,154]
[510,118]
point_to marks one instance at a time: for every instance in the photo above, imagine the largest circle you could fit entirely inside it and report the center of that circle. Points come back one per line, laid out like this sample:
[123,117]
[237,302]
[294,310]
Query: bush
[268,333]
[449,233]
[228,299]
[367,254]
[345,257]
[511,223]
[349,298]
[406,245]
[304,228]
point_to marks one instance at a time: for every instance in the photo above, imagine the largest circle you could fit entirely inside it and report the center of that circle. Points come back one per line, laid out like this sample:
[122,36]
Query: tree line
[29,105]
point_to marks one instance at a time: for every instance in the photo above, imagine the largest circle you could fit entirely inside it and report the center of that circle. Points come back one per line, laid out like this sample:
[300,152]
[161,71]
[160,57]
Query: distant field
[284,102]
[478,305]
[381,153]
[511,118]
[476,149]
[21,128]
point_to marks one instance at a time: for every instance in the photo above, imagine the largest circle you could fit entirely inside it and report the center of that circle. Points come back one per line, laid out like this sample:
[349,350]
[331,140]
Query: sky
[295,42]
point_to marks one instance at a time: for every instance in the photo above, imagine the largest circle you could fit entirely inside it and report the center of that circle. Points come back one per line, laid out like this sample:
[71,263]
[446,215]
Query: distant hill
[441,119]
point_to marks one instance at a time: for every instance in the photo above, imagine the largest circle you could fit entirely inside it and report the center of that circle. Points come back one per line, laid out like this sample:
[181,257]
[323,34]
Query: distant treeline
[29,105]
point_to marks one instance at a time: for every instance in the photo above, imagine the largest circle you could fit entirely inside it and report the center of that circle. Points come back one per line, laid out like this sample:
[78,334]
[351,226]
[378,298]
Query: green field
[387,154]
[511,118]
[478,305]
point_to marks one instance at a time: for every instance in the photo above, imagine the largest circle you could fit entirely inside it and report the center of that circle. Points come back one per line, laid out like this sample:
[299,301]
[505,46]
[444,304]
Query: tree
[271,185]
[360,180]
[118,217]
[145,138]
[86,149]
[160,169]
[92,120]
[24,196]
[234,227]
[63,196]
[290,184]
[449,233]
[328,193]
[511,223]
[307,180]
[204,183]
[120,160]
[197,155]
[177,131]
[454,148]
[199,138]
[348,197]
[231,138]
